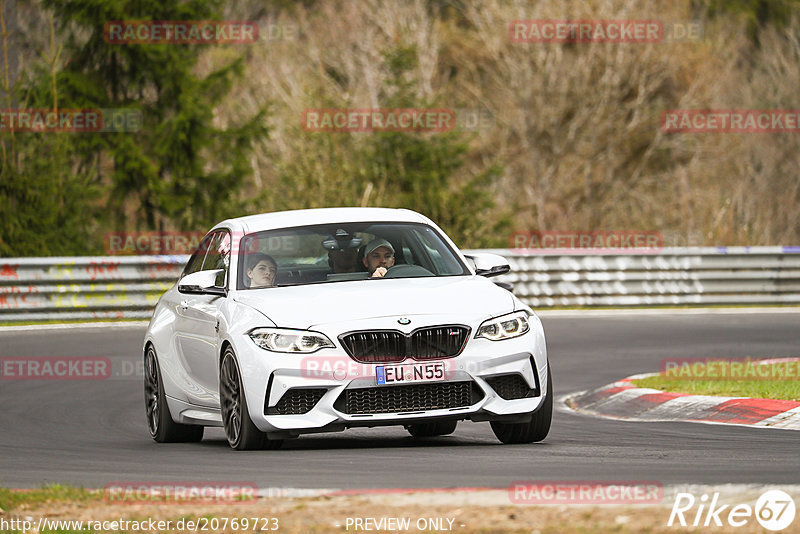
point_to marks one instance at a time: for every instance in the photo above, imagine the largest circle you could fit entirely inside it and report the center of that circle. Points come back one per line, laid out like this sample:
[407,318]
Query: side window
[195,263]
[219,256]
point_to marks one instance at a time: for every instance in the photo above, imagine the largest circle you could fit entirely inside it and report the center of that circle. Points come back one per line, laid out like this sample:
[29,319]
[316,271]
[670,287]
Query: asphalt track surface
[92,433]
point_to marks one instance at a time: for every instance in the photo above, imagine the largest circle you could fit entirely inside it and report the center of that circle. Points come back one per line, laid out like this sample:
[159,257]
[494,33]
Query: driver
[378,257]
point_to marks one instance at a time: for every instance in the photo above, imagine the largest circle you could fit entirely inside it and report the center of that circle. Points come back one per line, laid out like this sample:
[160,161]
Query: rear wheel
[535,430]
[240,430]
[159,421]
[428,430]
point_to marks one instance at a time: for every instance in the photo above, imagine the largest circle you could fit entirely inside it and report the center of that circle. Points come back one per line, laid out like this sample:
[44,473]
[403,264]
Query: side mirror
[202,283]
[489,264]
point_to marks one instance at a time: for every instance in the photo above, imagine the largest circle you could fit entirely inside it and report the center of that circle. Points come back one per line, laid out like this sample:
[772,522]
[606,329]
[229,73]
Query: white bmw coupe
[320,320]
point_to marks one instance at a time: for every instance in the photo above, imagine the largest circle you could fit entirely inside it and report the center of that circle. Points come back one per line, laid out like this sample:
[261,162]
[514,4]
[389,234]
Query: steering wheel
[407,271]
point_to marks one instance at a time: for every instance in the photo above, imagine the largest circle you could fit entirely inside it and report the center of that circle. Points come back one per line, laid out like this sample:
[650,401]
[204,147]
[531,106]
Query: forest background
[568,136]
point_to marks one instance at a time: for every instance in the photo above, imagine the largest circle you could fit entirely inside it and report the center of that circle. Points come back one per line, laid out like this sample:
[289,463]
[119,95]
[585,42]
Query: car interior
[309,261]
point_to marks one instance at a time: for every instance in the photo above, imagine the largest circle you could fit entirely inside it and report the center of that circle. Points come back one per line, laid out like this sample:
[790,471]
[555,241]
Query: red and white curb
[623,400]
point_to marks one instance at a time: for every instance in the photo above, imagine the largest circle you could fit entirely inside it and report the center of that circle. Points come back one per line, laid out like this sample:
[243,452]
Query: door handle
[184,305]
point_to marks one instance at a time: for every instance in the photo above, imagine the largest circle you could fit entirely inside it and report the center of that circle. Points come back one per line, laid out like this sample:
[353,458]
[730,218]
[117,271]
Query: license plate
[409,373]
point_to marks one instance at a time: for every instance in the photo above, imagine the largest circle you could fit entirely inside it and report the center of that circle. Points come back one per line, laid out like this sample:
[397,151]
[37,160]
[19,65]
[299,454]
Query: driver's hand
[379,272]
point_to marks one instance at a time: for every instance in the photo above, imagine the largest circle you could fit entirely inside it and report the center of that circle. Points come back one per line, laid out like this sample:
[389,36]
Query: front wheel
[535,430]
[240,430]
[159,421]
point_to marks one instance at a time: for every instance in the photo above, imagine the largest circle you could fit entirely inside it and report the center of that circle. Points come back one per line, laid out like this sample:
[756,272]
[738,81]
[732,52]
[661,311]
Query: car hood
[302,307]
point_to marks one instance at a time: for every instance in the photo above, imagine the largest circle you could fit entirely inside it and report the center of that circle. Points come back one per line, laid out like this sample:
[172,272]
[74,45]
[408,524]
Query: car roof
[286,219]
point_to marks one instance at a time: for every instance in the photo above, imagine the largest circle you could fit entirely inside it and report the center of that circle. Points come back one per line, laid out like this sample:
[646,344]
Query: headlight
[505,327]
[284,340]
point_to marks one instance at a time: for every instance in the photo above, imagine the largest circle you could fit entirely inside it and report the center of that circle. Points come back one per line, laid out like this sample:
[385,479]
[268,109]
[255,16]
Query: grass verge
[730,378]
[464,513]
[12,499]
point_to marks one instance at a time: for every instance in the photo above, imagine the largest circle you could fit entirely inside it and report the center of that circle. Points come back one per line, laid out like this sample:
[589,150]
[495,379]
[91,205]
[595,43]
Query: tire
[429,430]
[535,430]
[159,421]
[242,433]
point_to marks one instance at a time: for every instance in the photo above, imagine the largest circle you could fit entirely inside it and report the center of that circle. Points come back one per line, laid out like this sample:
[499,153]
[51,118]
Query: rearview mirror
[203,283]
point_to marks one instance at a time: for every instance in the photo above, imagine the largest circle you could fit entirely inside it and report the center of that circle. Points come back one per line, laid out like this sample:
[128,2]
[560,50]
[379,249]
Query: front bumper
[489,380]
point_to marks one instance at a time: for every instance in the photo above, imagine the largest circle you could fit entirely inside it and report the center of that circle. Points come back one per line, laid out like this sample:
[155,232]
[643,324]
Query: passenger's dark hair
[254,259]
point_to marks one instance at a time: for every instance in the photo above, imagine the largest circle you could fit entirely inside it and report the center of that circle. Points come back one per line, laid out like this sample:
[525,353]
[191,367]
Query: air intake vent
[297,401]
[511,386]
[410,398]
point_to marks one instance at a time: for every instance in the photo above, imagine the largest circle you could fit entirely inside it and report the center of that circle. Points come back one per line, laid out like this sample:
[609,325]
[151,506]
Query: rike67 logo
[774,510]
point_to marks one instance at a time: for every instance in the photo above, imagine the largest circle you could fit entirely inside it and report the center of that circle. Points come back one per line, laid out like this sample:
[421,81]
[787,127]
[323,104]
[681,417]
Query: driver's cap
[377,243]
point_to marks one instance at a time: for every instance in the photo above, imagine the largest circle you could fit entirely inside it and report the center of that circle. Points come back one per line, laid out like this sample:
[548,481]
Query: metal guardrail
[108,287]
[33,289]
[670,276]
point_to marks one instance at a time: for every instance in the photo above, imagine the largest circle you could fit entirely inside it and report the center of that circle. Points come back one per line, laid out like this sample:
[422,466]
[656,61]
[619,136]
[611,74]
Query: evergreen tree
[181,169]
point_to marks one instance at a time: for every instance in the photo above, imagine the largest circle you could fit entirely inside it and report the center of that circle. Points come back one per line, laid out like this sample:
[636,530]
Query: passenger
[378,257]
[261,270]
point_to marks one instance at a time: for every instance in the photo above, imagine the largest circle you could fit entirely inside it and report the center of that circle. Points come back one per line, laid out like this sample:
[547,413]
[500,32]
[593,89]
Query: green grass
[12,499]
[730,379]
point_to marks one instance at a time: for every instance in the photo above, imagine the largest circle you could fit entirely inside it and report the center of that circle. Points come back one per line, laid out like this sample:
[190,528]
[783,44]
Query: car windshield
[335,253]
